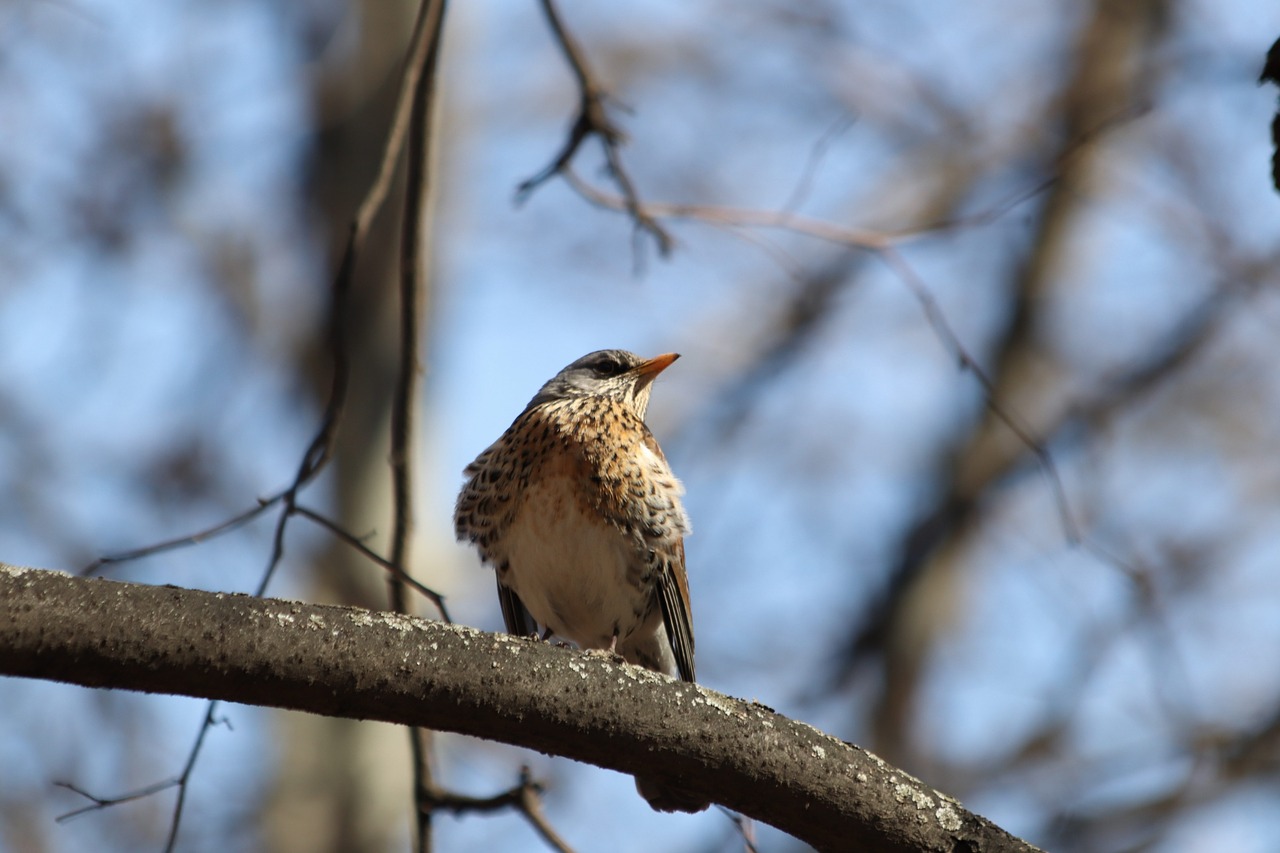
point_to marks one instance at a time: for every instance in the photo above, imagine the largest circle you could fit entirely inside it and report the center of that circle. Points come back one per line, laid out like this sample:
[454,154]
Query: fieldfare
[577,509]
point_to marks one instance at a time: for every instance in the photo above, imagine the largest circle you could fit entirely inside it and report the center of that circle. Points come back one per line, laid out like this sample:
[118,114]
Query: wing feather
[514,613]
[673,596]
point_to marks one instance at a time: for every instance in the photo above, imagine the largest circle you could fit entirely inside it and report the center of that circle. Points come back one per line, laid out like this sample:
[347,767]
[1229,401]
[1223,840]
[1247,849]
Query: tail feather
[665,797]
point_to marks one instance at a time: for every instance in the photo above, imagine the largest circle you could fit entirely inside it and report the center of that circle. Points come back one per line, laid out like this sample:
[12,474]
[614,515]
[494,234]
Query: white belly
[569,567]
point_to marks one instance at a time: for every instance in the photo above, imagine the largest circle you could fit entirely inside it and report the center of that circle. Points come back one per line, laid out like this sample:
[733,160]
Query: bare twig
[208,723]
[943,329]
[804,185]
[404,401]
[1053,171]
[526,798]
[321,447]
[785,219]
[179,782]
[745,827]
[355,542]
[184,541]
[105,802]
[738,217]
[320,450]
[593,120]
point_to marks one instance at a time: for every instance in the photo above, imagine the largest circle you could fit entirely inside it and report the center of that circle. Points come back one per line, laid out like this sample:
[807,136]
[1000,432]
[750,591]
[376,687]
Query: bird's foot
[546,636]
[608,654]
[611,652]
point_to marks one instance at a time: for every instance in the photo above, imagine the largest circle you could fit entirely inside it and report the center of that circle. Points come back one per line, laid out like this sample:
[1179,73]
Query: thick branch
[349,662]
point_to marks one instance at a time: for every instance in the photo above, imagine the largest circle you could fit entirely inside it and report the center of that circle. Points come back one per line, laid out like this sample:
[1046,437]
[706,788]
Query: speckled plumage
[577,509]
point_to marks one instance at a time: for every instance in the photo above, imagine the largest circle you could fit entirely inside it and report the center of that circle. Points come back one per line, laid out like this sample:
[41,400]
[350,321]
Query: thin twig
[404,400]
[105,802]
[320,450]
[786,219]
[804,185]
[741,217]
[358,544]
[593,120]
[183,779]
[942,328]
[998,210]
[184,541]
[746,828]
[179,782]
[525,798]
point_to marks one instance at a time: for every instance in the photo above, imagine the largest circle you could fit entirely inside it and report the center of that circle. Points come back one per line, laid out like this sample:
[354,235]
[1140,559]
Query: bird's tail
[666,797]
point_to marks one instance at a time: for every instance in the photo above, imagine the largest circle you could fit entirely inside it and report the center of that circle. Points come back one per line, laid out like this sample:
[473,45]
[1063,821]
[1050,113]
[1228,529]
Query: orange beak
[649,370]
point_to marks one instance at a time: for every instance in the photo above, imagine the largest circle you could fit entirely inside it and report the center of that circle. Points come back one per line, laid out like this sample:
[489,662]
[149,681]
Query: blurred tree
[355,793]
[1039,583]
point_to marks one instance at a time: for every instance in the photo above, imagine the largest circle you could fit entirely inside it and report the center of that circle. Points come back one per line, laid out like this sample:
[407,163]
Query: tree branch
[593,120]
[349,662]
[404,403]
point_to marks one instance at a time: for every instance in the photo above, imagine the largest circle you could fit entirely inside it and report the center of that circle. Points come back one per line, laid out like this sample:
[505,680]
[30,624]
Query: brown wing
[514,613]
[673,595]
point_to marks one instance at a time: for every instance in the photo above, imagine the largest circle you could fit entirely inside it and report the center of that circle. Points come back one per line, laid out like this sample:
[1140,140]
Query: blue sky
[132,318]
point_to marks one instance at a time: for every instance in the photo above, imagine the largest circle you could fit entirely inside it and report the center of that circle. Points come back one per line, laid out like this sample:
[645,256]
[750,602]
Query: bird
[579,513]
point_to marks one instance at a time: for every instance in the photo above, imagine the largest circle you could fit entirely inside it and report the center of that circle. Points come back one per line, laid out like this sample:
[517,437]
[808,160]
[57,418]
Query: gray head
[616,373]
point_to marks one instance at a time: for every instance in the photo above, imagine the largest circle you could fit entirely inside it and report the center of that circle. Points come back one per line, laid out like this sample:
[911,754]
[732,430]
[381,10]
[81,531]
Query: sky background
[163,262]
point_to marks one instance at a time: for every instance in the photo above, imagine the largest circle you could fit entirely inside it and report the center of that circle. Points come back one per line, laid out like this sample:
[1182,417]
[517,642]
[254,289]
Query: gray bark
[356,663]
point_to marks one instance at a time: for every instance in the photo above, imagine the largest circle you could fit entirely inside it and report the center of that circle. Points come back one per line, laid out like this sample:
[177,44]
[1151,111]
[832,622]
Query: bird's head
[618,374]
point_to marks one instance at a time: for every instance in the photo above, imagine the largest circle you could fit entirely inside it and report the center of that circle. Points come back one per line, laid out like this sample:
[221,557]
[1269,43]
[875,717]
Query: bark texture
[351,662]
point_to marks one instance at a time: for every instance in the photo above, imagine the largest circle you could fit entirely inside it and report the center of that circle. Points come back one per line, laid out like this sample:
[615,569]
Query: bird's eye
[608,367]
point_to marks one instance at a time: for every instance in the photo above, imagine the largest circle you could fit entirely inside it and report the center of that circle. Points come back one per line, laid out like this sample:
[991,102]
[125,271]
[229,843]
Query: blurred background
[1075,636]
